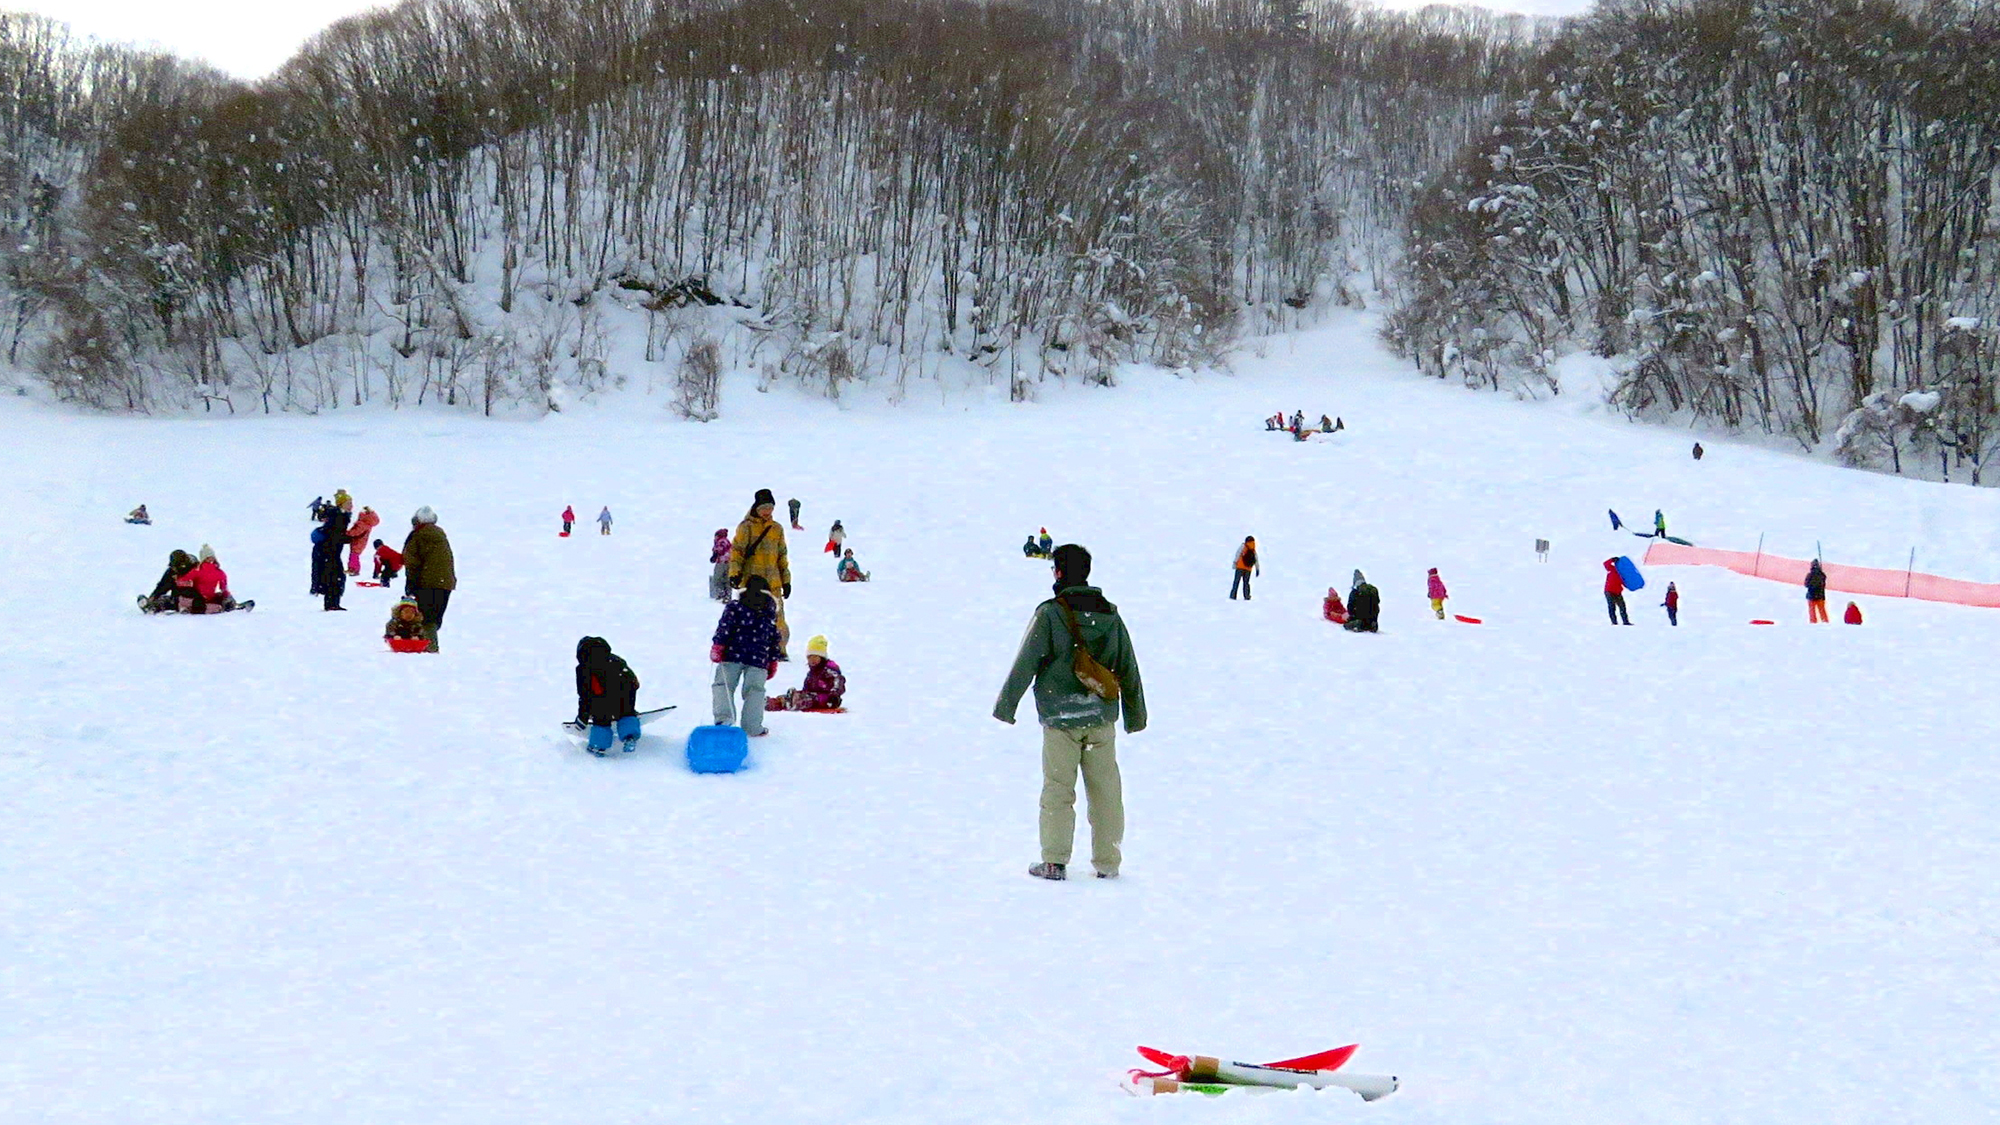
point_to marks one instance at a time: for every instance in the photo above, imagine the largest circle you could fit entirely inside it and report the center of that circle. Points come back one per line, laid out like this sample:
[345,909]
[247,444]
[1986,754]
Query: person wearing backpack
[1246,562]
[1078,658]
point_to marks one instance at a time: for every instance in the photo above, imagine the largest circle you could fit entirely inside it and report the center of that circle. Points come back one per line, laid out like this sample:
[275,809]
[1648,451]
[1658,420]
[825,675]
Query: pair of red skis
[1203,1074]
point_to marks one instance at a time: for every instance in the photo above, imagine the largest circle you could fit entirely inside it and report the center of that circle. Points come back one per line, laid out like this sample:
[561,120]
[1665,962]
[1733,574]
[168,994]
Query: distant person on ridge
[1435,590]
[1816,594]
[604,521]
[1659,524]
[1697,451]
[1078,658]
[1614,593]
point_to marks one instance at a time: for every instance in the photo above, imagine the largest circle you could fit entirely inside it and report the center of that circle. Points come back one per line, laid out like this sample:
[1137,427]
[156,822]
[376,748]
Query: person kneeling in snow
[1364,606]
[607,696]
[849,570]
[823,688]
[1331,607]
[180,564]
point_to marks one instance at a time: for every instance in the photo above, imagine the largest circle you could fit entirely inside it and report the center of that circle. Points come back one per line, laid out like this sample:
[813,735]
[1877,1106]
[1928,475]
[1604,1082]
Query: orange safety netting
[1845,579]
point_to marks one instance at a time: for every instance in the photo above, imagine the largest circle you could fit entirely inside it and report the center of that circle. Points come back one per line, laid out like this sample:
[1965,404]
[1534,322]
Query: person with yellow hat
[824,688]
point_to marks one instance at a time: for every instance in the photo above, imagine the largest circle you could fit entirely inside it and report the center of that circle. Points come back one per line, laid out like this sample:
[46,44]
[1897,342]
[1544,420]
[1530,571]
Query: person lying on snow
[180,564]
[138,515]
[406,622]
[824,688]
[607,696]
[849,570]
[388,563]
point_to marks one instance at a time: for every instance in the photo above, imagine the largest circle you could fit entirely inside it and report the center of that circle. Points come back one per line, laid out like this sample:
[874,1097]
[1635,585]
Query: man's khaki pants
[1094,750]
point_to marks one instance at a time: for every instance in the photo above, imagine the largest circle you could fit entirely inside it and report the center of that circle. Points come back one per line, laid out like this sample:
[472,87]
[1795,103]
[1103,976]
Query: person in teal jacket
[1078,724]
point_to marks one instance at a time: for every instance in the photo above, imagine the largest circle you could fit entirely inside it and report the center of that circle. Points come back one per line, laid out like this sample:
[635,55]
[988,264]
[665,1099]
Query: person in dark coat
[1364,606]
[1673,604]
[180,564]
[1816,594]
[744,651]
[329,576]
[607,696]
[429,572]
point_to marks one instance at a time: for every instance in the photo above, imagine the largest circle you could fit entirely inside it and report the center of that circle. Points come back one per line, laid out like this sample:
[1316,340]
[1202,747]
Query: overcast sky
[250,38]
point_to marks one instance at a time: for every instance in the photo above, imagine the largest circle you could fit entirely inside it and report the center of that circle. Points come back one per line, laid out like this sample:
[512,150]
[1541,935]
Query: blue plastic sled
[1628,572]
[717,749]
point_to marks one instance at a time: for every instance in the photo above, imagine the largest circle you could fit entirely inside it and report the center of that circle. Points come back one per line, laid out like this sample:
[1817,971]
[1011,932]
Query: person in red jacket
[1853,614]
[1614,593]
[1434,588]
[388,563]
[1331,607]
[568,518]
[206,588]
[1673,604]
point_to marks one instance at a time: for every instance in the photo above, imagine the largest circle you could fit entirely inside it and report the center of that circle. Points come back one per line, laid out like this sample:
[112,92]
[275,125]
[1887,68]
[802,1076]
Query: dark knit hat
[764,497]
[1073,563]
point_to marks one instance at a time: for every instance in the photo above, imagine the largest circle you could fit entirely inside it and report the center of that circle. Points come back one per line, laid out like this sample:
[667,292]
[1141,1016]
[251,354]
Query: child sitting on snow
[1334,611]
[406,622]
[824,686]
[138,515]
[607,696]
[205,589]
[849,570]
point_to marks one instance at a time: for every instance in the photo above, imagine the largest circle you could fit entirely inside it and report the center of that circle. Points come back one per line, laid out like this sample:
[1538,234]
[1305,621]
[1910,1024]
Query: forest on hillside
[1772,214]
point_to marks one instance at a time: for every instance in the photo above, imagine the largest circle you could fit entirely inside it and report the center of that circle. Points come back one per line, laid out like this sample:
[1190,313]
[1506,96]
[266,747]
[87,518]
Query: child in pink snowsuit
[1437,594]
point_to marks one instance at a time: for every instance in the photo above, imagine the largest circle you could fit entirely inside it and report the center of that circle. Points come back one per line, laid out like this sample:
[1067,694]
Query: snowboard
[1628,572]
[574,727]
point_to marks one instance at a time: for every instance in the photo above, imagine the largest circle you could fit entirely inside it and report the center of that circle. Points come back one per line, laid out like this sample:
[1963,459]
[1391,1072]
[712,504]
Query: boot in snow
[1053,872]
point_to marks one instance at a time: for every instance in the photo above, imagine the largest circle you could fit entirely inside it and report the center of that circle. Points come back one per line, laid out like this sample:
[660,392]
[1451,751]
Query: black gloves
[788,589]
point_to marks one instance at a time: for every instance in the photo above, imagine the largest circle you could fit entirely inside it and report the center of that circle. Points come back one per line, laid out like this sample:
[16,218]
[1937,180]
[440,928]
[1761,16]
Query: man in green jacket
[1078,724]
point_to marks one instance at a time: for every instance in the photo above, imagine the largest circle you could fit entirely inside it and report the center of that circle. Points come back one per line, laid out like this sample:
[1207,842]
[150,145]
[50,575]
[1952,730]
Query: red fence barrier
[1845,579]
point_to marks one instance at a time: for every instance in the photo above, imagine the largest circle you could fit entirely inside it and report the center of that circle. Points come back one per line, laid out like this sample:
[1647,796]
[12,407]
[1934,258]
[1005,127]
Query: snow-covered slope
[258,869]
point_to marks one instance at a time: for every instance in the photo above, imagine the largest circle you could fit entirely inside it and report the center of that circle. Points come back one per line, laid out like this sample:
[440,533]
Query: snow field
[259,869]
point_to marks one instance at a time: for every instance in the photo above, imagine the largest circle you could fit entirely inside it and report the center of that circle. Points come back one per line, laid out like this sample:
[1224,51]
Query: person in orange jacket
[1246,564]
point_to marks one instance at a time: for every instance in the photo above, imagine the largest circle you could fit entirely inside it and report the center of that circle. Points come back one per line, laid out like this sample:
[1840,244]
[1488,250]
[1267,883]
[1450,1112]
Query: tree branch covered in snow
[483,199]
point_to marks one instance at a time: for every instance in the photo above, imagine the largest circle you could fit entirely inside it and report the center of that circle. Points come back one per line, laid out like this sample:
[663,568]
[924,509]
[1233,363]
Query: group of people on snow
[1299,426]
[1039,547]
[192,584]
[603,520]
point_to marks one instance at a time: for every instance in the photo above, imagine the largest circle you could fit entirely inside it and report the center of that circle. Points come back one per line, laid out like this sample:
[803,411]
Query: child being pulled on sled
[607,696]
[824,687]
[849,570]
[406,622]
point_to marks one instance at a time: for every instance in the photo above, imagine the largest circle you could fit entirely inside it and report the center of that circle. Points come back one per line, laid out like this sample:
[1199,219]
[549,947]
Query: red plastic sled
[1468,620]
[377,585]
[407,644]
[562,535]
[1761,621]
